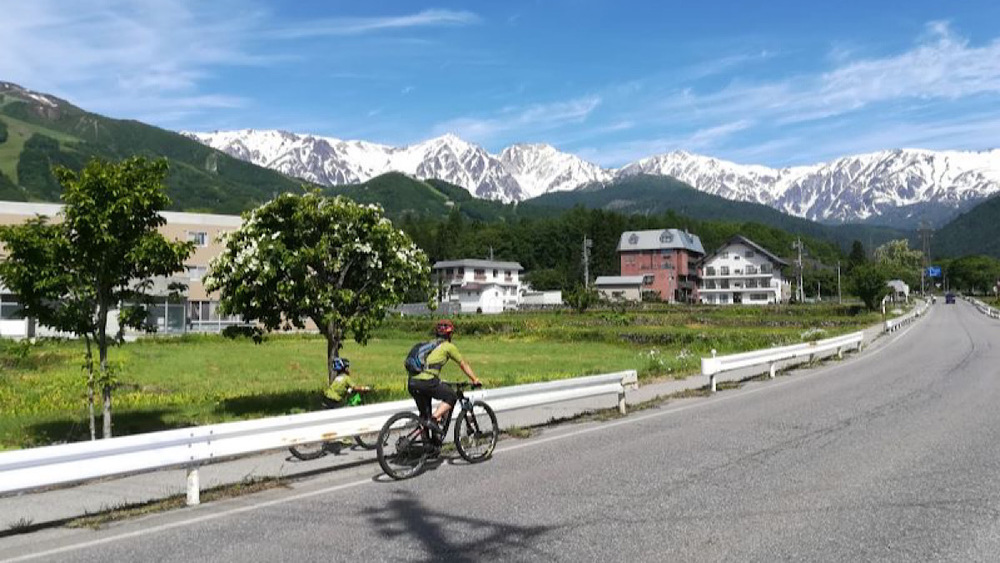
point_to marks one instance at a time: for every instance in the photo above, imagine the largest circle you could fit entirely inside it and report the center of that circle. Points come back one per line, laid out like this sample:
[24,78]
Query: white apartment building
[743,272]
[478,286]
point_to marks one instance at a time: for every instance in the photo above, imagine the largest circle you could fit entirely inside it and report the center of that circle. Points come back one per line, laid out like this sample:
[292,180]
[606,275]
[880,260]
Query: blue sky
[779,84]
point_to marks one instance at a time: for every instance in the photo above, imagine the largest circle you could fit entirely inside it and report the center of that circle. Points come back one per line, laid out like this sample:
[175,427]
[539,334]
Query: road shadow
[454,537]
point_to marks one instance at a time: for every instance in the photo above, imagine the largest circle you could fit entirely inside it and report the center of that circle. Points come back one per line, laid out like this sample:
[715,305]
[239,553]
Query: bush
[244,332]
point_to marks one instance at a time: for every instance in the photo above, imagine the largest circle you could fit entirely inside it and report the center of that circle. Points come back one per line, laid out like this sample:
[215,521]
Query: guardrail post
[840,353]
[622,408]
[711,378]
[193,486]
[771,371]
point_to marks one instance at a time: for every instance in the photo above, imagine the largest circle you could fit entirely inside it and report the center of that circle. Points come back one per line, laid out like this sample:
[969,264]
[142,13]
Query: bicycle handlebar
[464,384]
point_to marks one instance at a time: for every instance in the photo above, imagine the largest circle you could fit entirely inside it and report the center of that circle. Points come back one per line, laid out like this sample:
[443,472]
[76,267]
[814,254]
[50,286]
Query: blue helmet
[340,365]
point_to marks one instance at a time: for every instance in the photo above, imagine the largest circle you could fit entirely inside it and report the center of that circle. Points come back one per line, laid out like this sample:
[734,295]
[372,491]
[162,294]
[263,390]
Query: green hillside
[974,232]
[644,194]
[34,136]
[403,196]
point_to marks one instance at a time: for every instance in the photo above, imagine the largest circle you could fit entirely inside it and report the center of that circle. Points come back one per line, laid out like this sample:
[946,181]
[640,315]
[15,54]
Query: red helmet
[444,328]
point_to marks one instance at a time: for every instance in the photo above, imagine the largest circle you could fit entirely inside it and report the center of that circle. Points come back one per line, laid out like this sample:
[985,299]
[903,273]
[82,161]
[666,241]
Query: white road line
[537,442]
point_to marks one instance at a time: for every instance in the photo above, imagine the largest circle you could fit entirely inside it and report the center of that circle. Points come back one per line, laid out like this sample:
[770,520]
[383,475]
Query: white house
[741,271]
[899,291]
[620,288]
[478,286]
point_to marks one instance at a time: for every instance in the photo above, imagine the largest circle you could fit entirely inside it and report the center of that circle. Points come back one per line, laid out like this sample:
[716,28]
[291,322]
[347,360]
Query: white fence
[772,356]
[28,469]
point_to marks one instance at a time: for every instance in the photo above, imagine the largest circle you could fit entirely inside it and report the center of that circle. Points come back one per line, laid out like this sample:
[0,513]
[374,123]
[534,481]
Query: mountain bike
[316,450]
[406,442]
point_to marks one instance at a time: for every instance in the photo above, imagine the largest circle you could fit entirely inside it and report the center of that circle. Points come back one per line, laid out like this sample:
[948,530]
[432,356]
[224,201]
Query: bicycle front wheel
[476,432]
[403,446]
[367,441]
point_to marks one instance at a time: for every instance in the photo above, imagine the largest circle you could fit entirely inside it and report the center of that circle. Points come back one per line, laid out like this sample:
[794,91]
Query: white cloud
[131,59]
[358,26]
[943,66]
[524,120]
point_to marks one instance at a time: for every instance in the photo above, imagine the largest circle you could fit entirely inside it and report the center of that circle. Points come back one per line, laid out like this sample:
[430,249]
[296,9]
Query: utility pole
[840,299]
[587,245]
[925,236]
[491,253]
[800,292]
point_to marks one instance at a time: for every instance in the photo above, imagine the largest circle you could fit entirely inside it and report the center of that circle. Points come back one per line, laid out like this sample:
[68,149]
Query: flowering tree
[311,257]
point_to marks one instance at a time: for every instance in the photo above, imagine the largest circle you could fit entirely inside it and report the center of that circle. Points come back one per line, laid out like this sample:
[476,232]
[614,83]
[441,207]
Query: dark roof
[739,239]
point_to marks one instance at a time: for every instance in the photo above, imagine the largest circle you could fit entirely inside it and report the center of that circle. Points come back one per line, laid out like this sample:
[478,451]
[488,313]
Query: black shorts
[423,390]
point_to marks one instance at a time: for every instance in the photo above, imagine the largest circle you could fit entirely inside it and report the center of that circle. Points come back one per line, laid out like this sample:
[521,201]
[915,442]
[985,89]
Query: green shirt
[339,387]
[438,358]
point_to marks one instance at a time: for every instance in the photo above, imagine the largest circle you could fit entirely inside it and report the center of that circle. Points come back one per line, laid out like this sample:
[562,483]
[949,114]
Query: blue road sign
[934,271]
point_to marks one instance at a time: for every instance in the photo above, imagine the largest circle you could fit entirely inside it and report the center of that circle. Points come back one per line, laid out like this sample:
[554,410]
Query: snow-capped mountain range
[861,188]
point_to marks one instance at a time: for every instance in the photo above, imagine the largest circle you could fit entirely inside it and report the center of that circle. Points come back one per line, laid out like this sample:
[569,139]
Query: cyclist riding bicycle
[342,391]
[427,384]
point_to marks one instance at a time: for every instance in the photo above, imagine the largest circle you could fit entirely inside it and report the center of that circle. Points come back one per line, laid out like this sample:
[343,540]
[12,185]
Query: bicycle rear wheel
[305,452]
[402,447]
[476,432]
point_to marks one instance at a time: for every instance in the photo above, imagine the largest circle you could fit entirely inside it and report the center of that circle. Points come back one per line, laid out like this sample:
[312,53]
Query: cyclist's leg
[444,393]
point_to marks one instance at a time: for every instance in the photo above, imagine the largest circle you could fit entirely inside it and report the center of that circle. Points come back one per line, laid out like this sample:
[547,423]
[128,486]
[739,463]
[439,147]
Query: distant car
[949,298]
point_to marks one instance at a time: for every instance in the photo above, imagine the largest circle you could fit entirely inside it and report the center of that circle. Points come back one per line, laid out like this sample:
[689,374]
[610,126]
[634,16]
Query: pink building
[666,259]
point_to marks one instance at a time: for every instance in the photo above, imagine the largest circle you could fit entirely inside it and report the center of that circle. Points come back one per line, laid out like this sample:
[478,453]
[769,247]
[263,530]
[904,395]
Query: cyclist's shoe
[436,431]
[435,452]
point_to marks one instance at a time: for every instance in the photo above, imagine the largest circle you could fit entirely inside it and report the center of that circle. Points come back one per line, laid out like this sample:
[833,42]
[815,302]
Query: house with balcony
[743,272]
[478,286]
[666,259]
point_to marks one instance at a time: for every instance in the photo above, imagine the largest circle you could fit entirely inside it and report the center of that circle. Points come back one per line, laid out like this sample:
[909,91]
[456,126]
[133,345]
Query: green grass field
[170,382]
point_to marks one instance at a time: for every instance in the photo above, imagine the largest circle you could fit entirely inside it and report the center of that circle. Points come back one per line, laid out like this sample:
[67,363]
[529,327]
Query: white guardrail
[984,308]
[892,325]
[34,468]
[771,356]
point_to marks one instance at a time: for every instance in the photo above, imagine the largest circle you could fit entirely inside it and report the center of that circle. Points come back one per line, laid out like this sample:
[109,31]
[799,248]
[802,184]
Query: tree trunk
[90,388]
[102,347]
[333,339]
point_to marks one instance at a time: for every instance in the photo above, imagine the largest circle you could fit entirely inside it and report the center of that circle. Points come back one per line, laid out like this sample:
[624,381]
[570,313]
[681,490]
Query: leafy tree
[102,255]
[974,274]
[582,298]
[900,261]
[857,256]
[311,257]
[868,282]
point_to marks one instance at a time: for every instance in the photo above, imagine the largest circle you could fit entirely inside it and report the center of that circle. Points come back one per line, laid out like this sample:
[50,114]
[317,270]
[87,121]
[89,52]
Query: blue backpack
[416,360]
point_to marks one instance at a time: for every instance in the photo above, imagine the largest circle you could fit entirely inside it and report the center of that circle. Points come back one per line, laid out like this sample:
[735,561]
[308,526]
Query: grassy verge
[201,379]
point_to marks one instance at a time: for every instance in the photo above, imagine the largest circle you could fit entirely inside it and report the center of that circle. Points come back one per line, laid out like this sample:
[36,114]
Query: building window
[724,284]
[496,273]
[724,271]
[751,283]
[748,254]
[725,255]
[737,257]
[195,273]
[647,280]
[618,294]
[765,268]
[9,307]
[479,275]
[758,297]
[710,271]
[449,272]
[751,270]
[199,238]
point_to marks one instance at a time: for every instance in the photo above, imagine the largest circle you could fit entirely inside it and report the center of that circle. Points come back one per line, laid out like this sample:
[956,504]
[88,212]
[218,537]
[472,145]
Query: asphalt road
[892,455]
